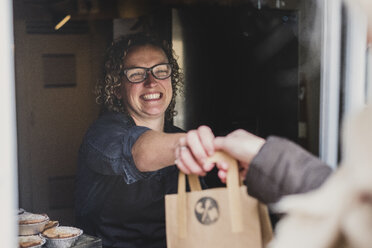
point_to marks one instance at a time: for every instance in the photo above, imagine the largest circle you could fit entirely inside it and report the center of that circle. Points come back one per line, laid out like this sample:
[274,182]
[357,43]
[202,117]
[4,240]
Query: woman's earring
[119,102]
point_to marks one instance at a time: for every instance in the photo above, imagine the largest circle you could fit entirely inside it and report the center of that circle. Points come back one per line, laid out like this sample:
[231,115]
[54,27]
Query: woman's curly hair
[114,65]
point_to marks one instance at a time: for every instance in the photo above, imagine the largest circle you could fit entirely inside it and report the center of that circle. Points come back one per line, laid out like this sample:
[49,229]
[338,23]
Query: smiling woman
[126,160]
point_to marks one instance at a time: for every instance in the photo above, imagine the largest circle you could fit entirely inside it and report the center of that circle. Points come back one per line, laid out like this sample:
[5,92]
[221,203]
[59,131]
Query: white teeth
[151,96]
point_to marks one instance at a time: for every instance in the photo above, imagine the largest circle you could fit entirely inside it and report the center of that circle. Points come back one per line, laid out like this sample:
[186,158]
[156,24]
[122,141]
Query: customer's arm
[272,168]
[281,167]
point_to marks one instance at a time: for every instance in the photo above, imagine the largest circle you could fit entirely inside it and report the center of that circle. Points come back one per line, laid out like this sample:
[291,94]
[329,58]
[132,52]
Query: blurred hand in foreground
[242,146]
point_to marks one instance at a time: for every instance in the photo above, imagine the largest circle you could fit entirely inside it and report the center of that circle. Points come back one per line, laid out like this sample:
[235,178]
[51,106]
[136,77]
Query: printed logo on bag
[206,211]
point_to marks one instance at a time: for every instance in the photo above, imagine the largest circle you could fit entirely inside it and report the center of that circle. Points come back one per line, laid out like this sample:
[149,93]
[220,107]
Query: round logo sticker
[206,211]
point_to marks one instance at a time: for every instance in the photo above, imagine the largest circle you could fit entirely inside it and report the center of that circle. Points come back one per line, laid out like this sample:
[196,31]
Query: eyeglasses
[139,74]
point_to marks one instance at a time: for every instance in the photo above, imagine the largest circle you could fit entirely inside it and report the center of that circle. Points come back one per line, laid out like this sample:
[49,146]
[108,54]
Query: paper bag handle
[181,200]
[194,182]
[232,182]
[233,189]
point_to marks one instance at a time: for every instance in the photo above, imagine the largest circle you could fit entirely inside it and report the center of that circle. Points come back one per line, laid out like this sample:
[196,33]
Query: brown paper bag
[219,217]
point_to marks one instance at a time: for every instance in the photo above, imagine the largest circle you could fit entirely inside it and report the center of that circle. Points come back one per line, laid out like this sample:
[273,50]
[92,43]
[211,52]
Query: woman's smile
[152,96]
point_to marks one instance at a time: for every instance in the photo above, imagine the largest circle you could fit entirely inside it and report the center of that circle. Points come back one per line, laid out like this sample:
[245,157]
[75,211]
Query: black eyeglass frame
[147,72]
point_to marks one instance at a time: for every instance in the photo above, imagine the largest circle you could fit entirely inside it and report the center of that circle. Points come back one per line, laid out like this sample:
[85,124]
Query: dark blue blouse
[113,199]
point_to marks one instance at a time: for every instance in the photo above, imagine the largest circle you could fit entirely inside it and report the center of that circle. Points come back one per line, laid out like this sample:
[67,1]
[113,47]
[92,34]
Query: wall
[52,121]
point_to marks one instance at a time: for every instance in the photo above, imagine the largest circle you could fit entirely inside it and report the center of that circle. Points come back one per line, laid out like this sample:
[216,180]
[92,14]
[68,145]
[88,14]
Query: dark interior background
[241,68]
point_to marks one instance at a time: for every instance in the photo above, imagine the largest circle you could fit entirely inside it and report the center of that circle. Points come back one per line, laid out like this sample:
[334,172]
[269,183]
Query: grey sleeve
[281,168]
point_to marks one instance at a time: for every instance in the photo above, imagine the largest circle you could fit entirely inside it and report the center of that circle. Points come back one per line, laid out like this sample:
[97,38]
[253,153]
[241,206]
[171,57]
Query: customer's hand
[193,149]
[242,146]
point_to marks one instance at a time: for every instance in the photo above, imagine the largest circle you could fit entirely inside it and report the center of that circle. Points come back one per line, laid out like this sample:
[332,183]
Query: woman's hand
[242,146]
[193,150]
